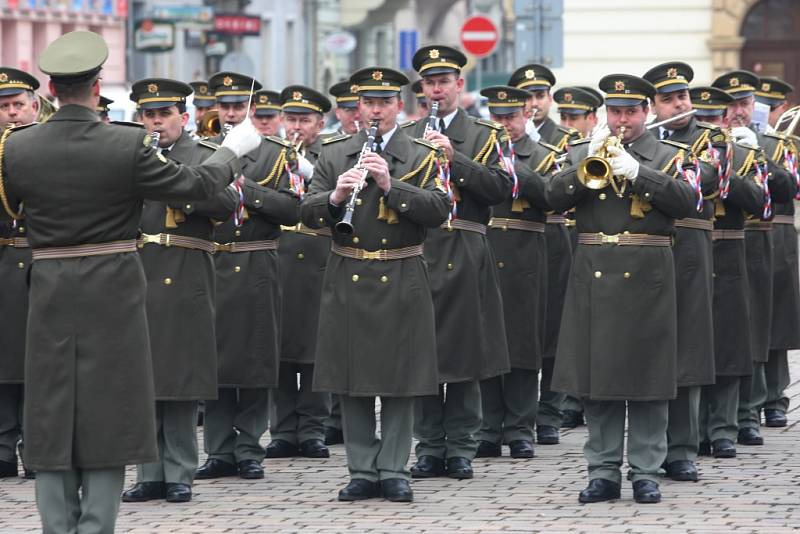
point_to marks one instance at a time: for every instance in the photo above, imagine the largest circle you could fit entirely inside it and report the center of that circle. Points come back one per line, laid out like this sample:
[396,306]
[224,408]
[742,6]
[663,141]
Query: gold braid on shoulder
[701,142]
[276,170]
[546,163]
[485,152]
[748,163]
[3,197]
[777,155]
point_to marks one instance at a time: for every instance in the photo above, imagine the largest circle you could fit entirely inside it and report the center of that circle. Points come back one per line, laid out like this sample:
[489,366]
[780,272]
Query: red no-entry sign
[479,36]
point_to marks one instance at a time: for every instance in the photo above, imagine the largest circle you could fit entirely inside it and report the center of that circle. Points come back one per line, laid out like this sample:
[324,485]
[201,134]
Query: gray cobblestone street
[757,492]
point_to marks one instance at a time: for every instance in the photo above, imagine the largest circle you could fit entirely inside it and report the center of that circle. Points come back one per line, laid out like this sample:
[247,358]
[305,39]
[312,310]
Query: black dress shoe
[144,491]
[314,448]
[250,469]
[359,489]
[521,448]
[214,468]
[546,435]
[681,470]
[571,419]
[28,474]
[333,436]
[459,467]
[428,467]
[177,492]
[704,449]
[278,448]
[599,490]
[749,436]
[8,469]
[774,417]
[646,492]
[397,490]
[487,449]
[723,448]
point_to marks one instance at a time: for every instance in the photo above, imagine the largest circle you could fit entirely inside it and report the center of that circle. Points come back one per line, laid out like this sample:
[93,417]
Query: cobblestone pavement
[757,492]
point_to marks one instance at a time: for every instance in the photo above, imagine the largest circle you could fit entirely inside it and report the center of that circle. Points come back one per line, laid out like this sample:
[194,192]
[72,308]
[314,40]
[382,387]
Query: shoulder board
[128,123]
[775,135]
[550,147]
[579,141]
[23,126]
[426,144]
[717,136]
[570,131]
[490,124]
[279,140]
[208,144]
[407,124]
[707,125]
[676,144]
[340,137]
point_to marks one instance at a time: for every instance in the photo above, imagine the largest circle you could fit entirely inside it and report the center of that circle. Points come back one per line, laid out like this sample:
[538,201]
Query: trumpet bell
[209,125]
[594,172]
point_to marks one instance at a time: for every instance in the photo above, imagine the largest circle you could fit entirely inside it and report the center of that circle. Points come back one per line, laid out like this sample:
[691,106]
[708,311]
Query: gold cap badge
[734,82]
[502,95]
[227,81]
[567,97]
[263,99]
[619,85]
[3,77]
[765,87]
[297,95]
[705,95]
[152,88]
[203,89]
[354,88]
[434,54]
[530,74]
[377,75]
[672,72]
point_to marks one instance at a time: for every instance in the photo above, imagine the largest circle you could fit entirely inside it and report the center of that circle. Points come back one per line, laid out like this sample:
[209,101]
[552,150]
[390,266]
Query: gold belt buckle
[223,247]
[151,238]
[611,239]
[372,254]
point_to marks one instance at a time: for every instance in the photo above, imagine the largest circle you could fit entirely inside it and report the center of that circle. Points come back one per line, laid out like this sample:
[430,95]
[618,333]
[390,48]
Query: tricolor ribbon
[790,161]
[762,176]
[296,182]
[443,170]
[693,177]
[723,168]
[238,213]
[509,162]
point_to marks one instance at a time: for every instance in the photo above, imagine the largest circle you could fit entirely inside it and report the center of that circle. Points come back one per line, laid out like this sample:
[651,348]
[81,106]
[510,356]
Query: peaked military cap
[232,87]
[626,89]
[670,77]
[102,105]
[504,99]
[591,90]
[345,93]
[419,94]
[438,59]
[378,82]
[532,77]
[74,57]
[154,93]
[302,99]
[577,101]
[203,96]
[267,103]
[737,83]
[14,82]
[772,91]
[709,101]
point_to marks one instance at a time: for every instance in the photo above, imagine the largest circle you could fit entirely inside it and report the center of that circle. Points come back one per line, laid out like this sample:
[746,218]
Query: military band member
[740,198]
[18,105]
[297,422]
[89,401]
[470,331]
[376,331]
[617,347]
[203,99]
[785,333]
[102,108]
[538,80]
[516,235]
[741,85]
[693,253]
[346,107]
[248,296]
[175,248]
[267,114]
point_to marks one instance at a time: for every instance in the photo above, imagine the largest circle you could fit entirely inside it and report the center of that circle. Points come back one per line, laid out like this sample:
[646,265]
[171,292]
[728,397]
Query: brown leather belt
[645,240]
[696,224]
[503,224]
[783,219]
[171,240]
[461,224]
[80,251]
[761,226]
[556,219]
[720,235]
[380,255]
[301,228]
[246,246]
[15,242]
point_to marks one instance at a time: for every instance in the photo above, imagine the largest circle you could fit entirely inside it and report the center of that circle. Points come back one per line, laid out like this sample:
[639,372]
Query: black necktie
[378,143]
[664,134]
[165,152]
[441,126]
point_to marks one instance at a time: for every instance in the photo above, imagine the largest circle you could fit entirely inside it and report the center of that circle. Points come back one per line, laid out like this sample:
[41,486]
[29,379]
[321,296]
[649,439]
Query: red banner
[237,24]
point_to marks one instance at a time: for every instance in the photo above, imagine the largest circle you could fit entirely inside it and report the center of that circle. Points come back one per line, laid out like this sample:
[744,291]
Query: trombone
[791,117]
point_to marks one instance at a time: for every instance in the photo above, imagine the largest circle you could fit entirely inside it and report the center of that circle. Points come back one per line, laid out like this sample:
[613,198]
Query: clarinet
[345,226]
[155,137]
[432,117]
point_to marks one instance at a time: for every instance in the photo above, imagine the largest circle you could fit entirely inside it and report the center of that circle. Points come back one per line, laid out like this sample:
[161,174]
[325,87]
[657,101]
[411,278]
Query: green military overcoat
[14,263]
[620,305]
[376,325]
[89,401]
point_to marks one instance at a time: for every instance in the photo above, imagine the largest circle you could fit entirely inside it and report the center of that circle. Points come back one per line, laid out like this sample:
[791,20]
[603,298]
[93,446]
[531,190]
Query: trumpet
[595,171]
[345,226]
[431,124]
[209,125]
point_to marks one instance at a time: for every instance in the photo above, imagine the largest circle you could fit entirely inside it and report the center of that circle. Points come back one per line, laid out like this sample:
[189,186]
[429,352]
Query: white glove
[598,138]
[532,132]
[242,139]
[622,163]
[745,136]
[305,167]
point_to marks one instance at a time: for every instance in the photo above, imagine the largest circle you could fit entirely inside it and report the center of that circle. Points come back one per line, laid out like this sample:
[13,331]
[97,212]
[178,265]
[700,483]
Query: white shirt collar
[448,118]
[387,136]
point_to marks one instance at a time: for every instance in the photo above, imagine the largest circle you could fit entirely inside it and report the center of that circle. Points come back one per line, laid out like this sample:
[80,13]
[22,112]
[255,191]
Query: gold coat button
[500,264]
[188,206]
[626,232]
[355,278]
[300,255]
[450,267]
[647,195]
[359,202]
[601,196]
[237,269]
[21,265]
[167,281]
[257,202]
[570,186]
[461,180]
[356,240]
[384,241]
[22,229]
[403,205]
[140,245]
[384,279]
[237,233]
[321,220]
[598,274]
[627,275]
